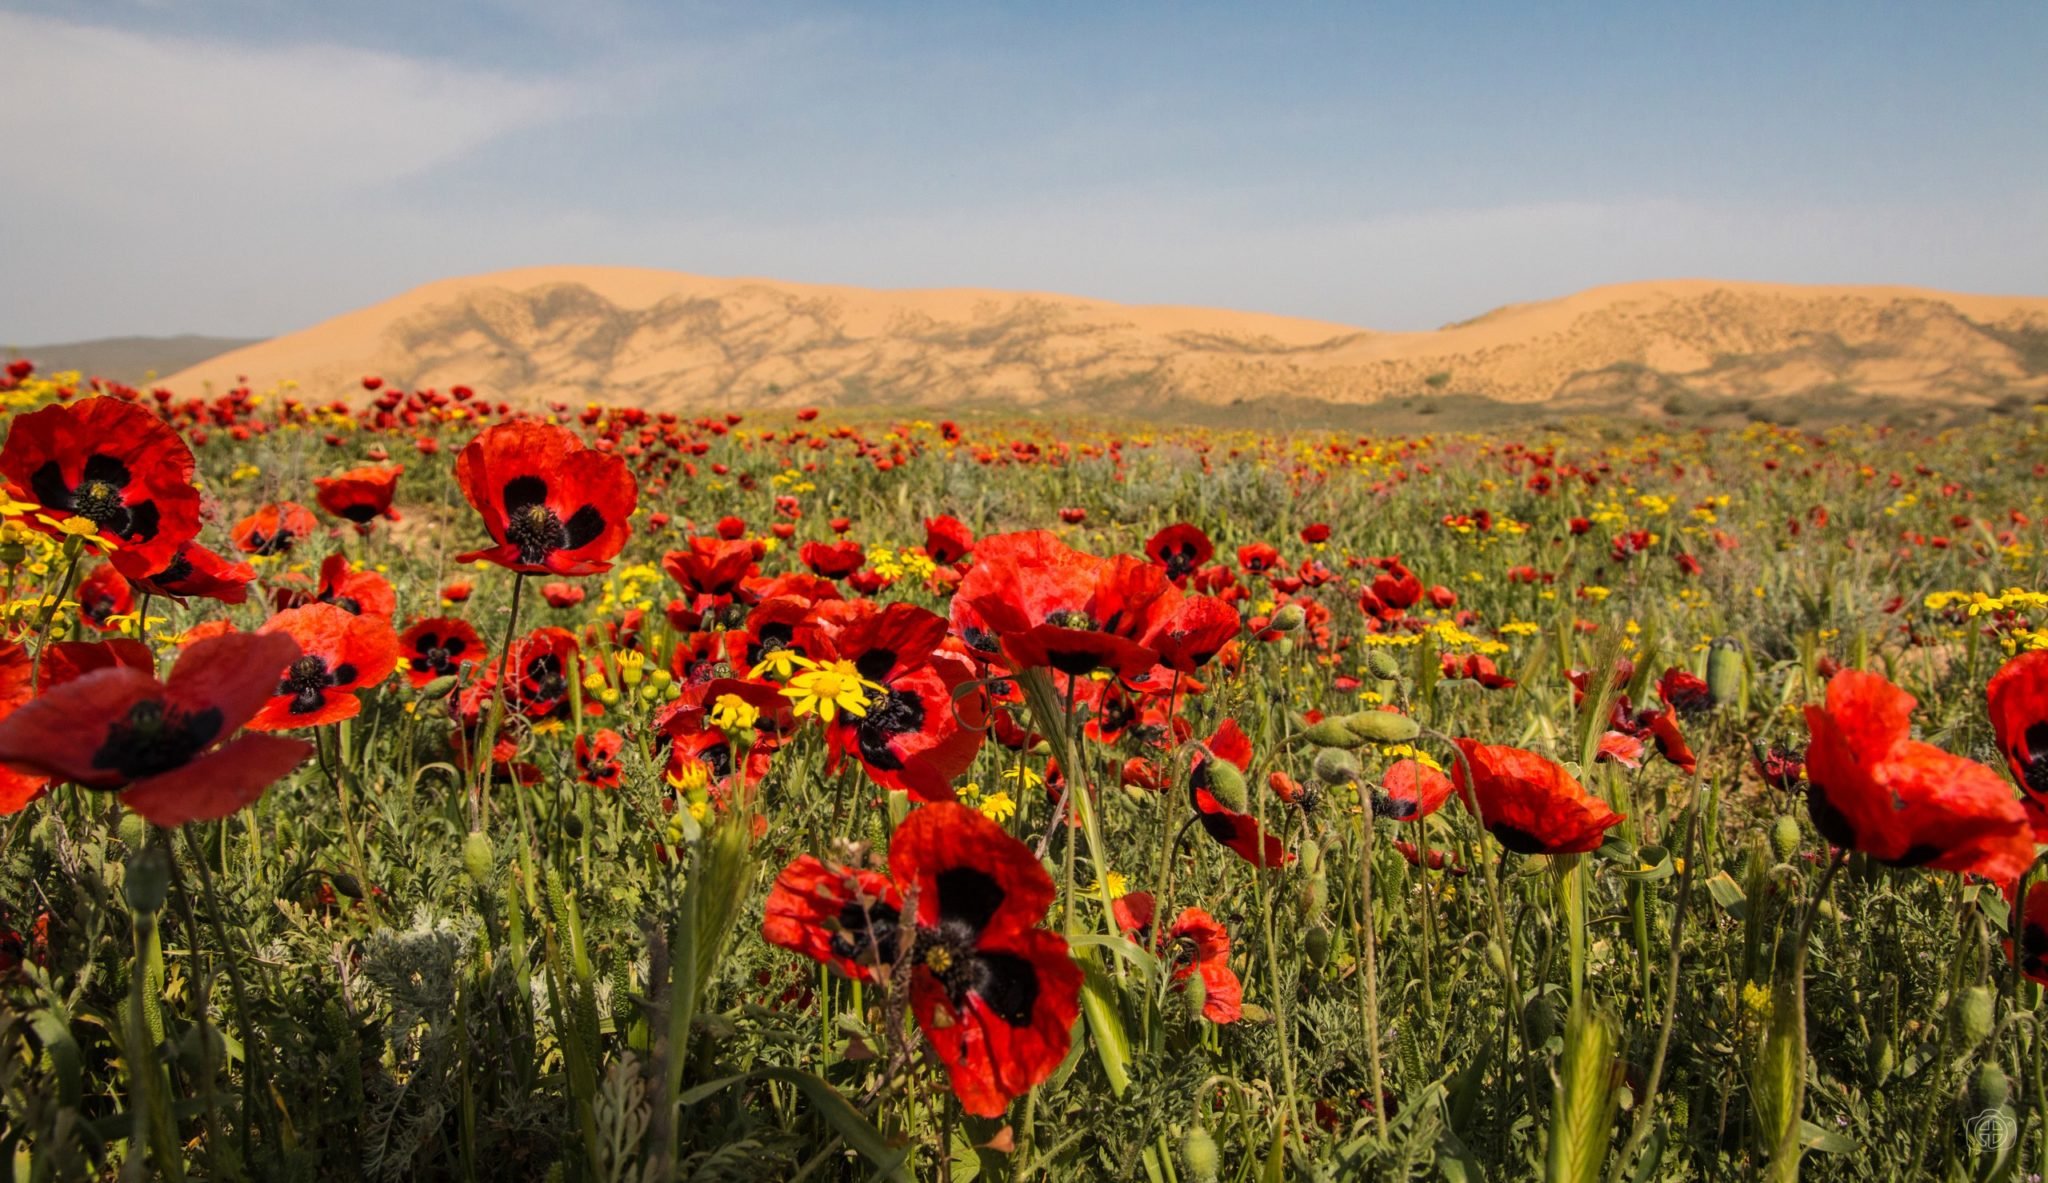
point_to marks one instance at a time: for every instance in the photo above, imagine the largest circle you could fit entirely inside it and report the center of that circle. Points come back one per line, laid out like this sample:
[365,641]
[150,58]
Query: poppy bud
[148,880]
[1382,726]
[1785,838]
[1227,783]
[1315,896]
[1724,671]
[1317,946]
[133,831]
[1383,665]
[572,825]
[1974,1010]
[1284,646]
[1335,766]
[1311,855]
[1197,994]
[1288,618]
[1882,1060]
[1539,1018]
[13,554]
[439,687]
[1330,733]
[346,884]
[1198,1151]
[477,857]
[1991,1089]
[1497,959]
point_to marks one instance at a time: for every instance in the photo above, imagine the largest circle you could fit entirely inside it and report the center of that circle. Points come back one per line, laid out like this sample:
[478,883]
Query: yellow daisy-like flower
[827,688]
[997,807]
[1113,886]
[690,776]
[779,663]
[733,713]
[76,527]
[10,508]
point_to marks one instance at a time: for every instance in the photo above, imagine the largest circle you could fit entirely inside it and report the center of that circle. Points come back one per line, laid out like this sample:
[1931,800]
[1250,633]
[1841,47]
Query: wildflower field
[401,786]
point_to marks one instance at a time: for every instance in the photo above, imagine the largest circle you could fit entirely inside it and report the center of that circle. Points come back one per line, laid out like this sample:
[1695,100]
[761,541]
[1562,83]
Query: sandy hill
[127,359]
[666,339]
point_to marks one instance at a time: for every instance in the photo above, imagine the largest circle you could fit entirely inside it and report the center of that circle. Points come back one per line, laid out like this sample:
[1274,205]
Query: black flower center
[537,530]
[544,677]
[308,679]
[2034,759]
[899,713]
[154,738]
[98,497]
[433,654]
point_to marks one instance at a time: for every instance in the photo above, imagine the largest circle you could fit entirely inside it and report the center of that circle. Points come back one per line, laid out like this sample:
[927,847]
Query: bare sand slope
[659,338]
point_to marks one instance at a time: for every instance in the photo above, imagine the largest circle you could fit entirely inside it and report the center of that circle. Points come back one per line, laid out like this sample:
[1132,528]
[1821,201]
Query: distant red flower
[109,461]
[64,661]
[597,758]
[947,540]
[274,529]
[561,595]
[1193,632]
[102,595]
[2032,955]
[1410,791]
[360,495]
[1909,804]
[1239,832]
[458,593]
[995,995]
[1531,805]
[1073,515]
[1048,605]
[1476,667]
[711,566]
[339,654]
[1257,558]
[541,667]
[1181,549]
[912,736]
[1685,692]
[118,728]
[1204,946]
[1315,532]
[438,647]
[730,528]
[835,560]
[551,505]
[191,570]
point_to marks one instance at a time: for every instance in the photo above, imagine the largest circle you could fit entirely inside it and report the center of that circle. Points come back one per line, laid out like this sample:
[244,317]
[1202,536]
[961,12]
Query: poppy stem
[35,673]
[1368,938]
[481,765]
[1785,1155]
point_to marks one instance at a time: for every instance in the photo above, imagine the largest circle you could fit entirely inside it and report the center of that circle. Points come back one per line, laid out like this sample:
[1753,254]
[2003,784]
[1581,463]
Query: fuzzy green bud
[1382,726]
[148,879]
[1383,665]
[1289,618]
[1785,838]
[1990,1089]
[1330,733]
[1198,1154]
[477,857]
[1724,671]
[1335,766]
[1317,945]
[132,831]
[1974,1013]
[1227,783]
[439,687]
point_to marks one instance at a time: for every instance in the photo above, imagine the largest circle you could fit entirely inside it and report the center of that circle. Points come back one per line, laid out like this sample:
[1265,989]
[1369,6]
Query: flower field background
[406,787]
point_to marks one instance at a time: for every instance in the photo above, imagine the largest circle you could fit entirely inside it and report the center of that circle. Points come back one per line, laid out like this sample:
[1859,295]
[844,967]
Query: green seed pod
[1311,856]
[1724,671]
[133,831]
[1974,1012]
[1882,1060]
[1198,1154]
[1227,783]
[1284,646]
[1315,896]
[477,857]
[1317,946]
[1383,665]
[1330,733]
[572,825]
[148,880]
[1991,1089]
[1382,726]
[439,687]
[1785,838]
[1288,618]
[1335,766]
[346,884]
[1540,1017]
[1497,960]
[1197,993]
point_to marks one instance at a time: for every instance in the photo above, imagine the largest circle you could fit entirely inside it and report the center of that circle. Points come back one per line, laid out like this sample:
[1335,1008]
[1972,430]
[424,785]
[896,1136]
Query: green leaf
[55,1035]
[846,1121]
[1105,1025]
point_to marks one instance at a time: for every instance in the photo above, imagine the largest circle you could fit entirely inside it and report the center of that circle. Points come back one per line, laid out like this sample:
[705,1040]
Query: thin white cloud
[116,118]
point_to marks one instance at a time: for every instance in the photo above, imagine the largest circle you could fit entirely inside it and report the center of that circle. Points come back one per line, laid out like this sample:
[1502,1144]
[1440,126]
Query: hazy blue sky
[251,166]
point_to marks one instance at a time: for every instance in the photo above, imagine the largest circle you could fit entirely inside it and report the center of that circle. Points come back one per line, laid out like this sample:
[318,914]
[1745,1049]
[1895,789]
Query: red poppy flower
[995,995]
[947,540]
[597,758]
[561,595]
[1685,692]
[1664,733]
[274,529]
[1621,748]
[2018,700]
[551,505]
[360,495]
[1257,558]
[912,735]
[1531,805]
[339,654]
[17,686]
[835,560]
[1410,791]
[458,593]
[111,462]
[1193,632]
[65,661]
[118,728]
[1315,532]
[1239,832]
[1476,667]
[102,595]
[2032,955]
[1180,548]
[1049,605]
[1909,804]
[439,647]
[712,566]
[362,593]
[541,665]
[1204,947]
[191,570]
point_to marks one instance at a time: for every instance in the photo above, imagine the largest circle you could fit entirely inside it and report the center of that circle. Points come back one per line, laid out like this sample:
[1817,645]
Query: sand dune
[666,339]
